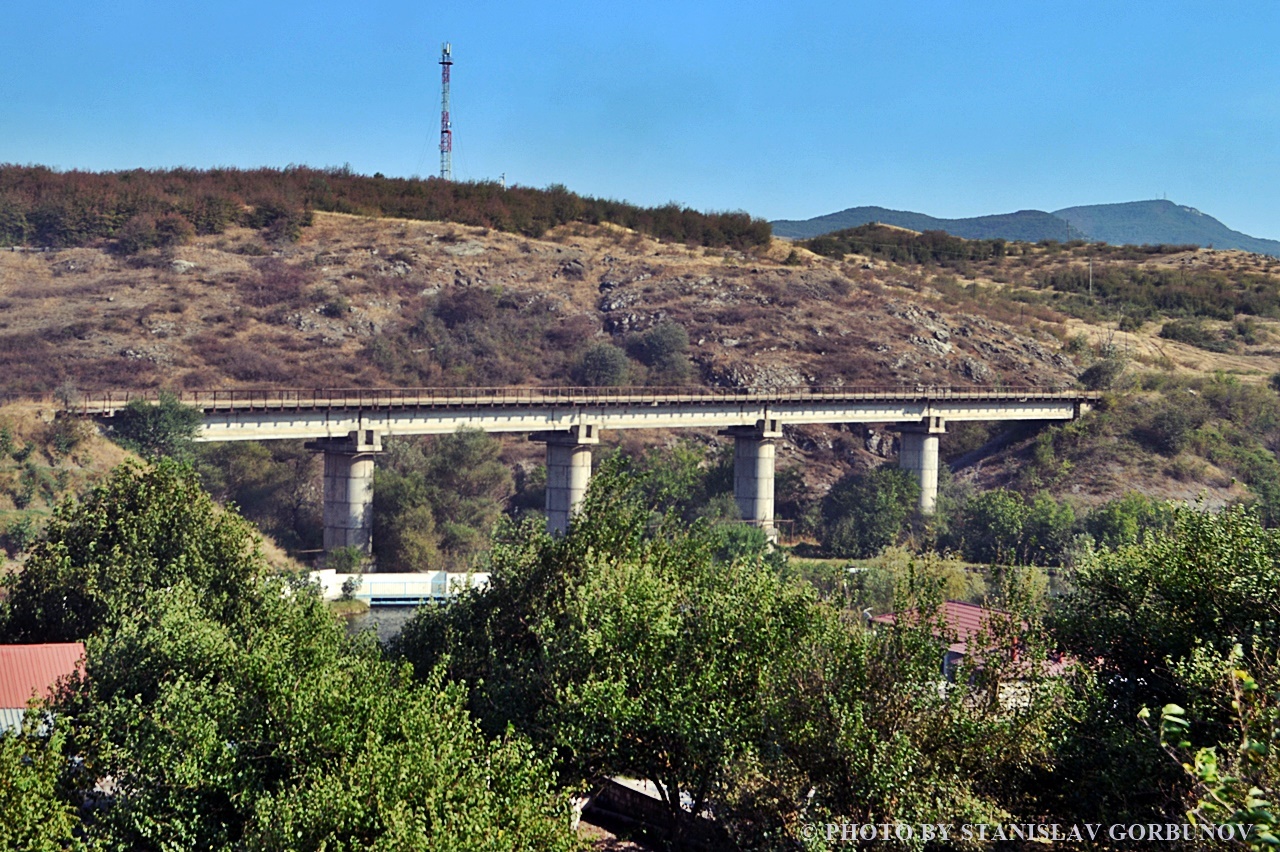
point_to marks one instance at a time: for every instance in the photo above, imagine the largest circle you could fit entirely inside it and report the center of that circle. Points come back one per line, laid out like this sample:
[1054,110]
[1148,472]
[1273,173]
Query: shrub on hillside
[664,349]
[603,365]
[1193,333]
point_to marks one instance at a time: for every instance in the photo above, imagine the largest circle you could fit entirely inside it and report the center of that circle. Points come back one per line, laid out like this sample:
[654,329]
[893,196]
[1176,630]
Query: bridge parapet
[108,403]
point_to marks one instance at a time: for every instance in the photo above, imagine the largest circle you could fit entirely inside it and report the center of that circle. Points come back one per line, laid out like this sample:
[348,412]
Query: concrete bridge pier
[918,454]
[754,452]
[568,472]
[348,488]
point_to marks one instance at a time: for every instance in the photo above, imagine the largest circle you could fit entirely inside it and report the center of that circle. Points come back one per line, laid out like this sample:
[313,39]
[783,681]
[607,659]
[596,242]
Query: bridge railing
[251,399]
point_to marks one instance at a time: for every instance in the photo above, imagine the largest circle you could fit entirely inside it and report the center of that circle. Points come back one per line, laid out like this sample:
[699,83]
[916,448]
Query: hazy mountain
[1152,222]
[1135,222]
[1029,225]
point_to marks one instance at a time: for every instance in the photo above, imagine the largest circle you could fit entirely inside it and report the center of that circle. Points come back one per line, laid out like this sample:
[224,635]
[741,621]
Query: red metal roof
[30,671]
[963,620]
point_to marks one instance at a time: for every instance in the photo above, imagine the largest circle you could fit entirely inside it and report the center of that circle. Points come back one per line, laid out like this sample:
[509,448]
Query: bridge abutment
[348,489]
[918,454]
[568,472]
[754,453]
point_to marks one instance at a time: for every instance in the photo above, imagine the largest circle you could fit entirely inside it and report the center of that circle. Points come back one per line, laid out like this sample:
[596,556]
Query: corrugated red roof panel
[30,671]
[962,620]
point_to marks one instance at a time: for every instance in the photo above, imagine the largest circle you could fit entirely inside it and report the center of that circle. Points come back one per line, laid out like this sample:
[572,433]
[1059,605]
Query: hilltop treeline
[900,246]
[141,208]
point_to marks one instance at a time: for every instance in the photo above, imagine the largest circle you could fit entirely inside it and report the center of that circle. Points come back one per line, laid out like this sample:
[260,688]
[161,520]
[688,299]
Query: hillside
[365,302]
[1155,222]
[1026,225]
[379,302]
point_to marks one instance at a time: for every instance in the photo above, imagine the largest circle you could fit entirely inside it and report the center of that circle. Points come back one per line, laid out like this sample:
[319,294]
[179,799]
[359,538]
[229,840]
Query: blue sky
[787,110]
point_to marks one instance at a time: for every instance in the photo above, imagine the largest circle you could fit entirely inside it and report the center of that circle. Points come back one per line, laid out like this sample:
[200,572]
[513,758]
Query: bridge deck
[324,399]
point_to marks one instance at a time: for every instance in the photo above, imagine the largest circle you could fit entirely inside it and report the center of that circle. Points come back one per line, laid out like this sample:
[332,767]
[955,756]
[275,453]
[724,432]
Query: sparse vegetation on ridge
[143,209]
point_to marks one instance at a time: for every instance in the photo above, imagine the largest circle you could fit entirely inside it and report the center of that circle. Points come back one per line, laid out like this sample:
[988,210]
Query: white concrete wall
[422,584]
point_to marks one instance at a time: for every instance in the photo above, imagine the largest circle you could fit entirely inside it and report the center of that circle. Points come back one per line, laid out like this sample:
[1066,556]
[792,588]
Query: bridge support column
[754,452]
[568,472]
[348,489]
[918,454]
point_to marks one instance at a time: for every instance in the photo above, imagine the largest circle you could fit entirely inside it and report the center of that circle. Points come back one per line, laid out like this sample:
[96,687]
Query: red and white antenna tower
[446,125]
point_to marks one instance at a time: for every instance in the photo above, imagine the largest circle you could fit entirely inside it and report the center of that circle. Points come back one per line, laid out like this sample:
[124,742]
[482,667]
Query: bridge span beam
[918,454]
[348,489]
[568,472]
[754,453]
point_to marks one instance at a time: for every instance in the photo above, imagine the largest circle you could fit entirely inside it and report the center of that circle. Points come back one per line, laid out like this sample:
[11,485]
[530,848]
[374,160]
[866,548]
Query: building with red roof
[29,673]
[961,622]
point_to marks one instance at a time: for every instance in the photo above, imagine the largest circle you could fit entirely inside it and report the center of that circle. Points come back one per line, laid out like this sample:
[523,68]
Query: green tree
[866,512]
[603,365]
[1239,786]
[436,500]
[628,647]
[1124,520]
[664,350]
[991,527]
[163,428]
[274,484]
[100,555]
[33,764]
[1154,617]
[231,710]
[1047,531]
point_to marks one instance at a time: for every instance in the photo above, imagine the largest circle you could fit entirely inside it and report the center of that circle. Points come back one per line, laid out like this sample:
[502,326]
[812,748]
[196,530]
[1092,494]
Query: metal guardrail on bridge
[109,402]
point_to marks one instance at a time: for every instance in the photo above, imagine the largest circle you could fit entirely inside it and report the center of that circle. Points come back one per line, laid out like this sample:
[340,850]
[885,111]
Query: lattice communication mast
[446,125]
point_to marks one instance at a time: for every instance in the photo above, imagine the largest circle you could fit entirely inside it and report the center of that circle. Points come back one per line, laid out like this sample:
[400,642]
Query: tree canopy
[629,647]
[231,711]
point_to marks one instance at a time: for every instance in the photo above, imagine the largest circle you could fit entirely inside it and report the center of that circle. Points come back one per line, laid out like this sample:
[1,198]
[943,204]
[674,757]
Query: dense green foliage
[230,709]
[628,647]
[865,512]
[163,428]
[1166,621]
[436,500]
[143,208]
[33,765]
[664,349]
[603,365]
[101,557]
[1238,787]
[275,484]
[900,246]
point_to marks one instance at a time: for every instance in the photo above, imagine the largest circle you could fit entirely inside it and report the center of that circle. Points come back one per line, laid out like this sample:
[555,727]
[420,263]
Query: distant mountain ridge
[1134,222]
[1029,225]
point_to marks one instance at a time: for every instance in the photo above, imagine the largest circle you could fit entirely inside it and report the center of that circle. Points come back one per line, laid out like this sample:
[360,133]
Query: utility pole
[446,125]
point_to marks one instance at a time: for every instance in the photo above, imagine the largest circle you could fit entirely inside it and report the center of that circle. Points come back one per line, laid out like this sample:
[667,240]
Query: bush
[1193,333]
[664,348]
[164,428]
[991,526]
[865,512]
[1123,521]
[1103,374]
[227,702]
[603,365]
[1169,428]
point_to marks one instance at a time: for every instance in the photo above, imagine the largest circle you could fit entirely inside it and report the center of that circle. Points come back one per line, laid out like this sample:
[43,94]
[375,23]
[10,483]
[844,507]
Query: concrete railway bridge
[349,426]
